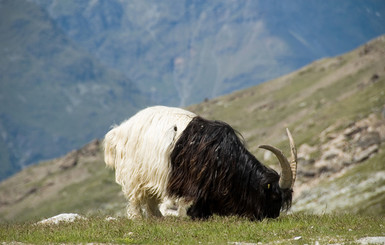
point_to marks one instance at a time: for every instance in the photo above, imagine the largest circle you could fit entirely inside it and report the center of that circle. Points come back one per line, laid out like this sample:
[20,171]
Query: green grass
[217,230]
[87,196]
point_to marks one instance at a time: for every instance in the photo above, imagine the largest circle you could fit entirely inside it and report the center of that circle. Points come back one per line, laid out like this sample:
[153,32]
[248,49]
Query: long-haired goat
[164,152]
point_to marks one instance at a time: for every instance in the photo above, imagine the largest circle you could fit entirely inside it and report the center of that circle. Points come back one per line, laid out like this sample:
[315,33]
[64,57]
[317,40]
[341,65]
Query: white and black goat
[164,152]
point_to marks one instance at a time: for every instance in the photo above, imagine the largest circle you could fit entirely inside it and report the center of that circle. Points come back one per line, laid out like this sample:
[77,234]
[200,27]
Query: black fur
[211,167]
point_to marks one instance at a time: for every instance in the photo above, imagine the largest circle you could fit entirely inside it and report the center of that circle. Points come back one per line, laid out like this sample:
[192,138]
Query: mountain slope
[184,52]
[335,109]
[335,104]
[51,91]
[70,69]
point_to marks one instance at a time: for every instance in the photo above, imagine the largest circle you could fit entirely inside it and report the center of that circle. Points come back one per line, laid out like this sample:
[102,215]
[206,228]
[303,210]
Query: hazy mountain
[335,109]
[54,96]
[182,52]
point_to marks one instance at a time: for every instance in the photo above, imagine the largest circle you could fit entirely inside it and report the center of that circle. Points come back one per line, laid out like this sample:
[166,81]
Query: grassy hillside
[344,88]
[77,182]
[320,103]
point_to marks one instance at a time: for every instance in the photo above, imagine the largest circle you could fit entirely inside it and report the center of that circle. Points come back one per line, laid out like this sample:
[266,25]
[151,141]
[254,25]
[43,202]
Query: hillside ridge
[336,117]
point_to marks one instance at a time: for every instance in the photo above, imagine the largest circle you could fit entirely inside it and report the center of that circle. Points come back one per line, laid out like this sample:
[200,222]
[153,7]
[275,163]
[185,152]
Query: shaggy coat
[164,152]
[139,149]
[211,168]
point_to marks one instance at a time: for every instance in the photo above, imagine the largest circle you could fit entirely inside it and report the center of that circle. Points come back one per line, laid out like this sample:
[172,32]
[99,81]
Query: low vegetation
[288,229]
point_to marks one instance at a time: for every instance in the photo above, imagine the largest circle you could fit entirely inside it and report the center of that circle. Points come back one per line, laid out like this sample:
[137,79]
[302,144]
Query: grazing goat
[170,153]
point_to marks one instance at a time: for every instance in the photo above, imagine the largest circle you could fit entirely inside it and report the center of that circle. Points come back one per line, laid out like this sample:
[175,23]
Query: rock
[65,217]
[368,139]
[374,78]
[328,134]
[91,149]
[306,168]
[349,132]
[70,160]
[365,50]
[365,154]
[336,156]
[305,150]
[306,173]
[330,154]
[339,141]
[305,162]
[111,218]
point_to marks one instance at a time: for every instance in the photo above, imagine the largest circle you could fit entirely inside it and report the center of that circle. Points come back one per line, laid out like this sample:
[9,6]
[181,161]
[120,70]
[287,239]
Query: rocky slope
[334,107]
[348,174]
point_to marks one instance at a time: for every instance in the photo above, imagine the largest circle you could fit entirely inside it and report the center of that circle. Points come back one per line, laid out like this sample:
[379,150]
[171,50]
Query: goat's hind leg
[152,207]
[134,210]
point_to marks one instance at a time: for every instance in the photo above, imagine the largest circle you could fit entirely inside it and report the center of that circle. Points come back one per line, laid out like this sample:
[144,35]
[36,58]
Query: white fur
[139,149]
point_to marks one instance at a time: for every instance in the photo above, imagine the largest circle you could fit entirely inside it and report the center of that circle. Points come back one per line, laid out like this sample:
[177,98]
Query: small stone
[65,217]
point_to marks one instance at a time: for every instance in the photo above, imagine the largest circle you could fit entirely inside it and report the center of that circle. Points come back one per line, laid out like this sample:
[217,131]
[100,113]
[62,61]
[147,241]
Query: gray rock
[365,154]
[368,139]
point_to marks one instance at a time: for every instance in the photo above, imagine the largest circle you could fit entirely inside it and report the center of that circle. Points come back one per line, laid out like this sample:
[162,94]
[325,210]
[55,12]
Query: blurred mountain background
[71,69]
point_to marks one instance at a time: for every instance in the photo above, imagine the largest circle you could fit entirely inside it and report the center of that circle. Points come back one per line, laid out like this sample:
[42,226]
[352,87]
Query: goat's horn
[293,150]
[289,171]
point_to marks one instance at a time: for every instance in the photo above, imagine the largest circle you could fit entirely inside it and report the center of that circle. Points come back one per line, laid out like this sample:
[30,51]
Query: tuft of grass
[288,229]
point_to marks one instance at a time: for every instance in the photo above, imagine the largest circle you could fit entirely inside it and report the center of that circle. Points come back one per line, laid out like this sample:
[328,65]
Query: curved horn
[289,170]
[293,150]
